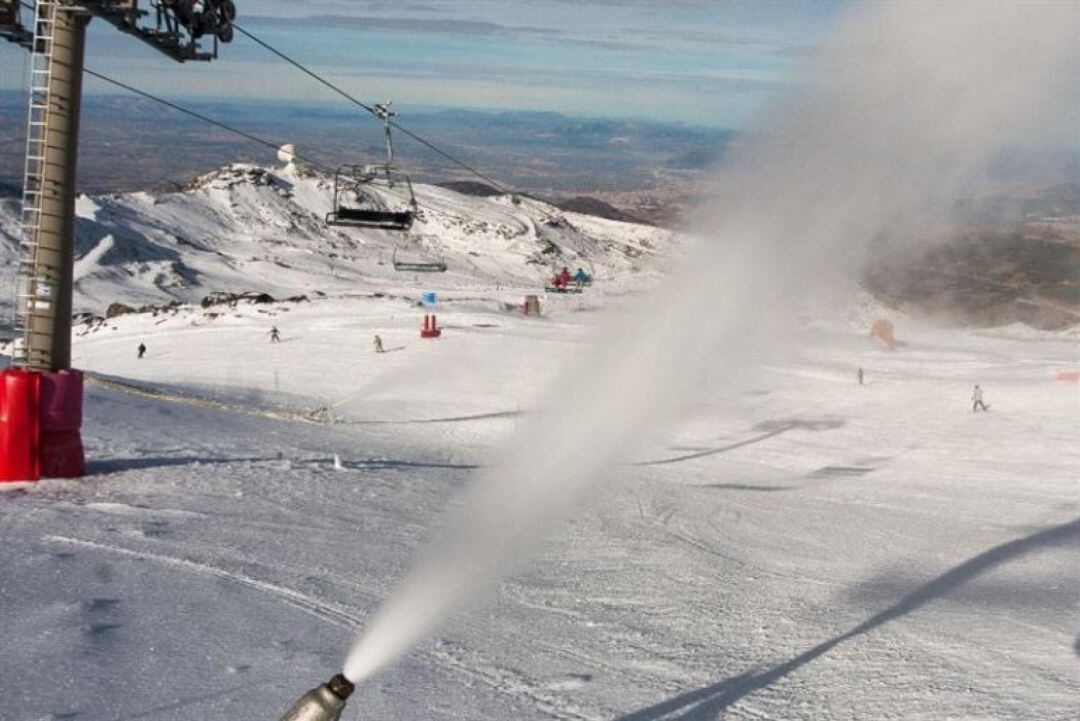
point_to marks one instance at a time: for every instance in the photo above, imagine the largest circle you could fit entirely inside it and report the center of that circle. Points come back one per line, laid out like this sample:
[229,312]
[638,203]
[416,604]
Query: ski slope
[798,547]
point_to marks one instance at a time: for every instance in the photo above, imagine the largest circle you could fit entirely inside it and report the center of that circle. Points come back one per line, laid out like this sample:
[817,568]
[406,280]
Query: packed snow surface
[800,547]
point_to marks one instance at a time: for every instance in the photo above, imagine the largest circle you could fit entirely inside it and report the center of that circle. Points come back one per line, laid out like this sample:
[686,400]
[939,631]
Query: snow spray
[902,108]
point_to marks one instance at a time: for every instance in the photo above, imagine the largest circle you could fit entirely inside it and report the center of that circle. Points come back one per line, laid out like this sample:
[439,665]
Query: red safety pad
[62,454]
[61,401]
[20,398]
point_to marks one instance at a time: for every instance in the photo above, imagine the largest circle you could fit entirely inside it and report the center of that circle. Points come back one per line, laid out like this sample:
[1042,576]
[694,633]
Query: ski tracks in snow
[327,611]
[446,655]
[511,682]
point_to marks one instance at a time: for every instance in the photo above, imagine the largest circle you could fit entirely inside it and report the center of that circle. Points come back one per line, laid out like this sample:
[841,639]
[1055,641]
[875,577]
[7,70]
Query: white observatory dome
[287,153]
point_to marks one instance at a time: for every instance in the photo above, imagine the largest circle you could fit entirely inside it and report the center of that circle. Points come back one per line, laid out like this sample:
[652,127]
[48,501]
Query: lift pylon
[57,40]
[44,287]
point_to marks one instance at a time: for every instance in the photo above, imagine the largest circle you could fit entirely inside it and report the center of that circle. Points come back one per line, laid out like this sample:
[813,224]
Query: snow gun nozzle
[341,687]
[324,703]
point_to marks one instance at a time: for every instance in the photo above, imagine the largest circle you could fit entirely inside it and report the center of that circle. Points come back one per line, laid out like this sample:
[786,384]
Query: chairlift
[563,281]
[416,261]
[356,202]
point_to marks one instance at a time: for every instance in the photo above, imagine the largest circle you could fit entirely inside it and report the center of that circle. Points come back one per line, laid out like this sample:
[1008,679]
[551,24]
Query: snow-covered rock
[245,227]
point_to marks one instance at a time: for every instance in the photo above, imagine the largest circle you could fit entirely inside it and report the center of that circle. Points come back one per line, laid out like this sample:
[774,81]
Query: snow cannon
[324,703]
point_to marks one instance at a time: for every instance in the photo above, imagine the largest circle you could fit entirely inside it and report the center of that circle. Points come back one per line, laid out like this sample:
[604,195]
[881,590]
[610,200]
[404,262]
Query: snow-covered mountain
[252,228]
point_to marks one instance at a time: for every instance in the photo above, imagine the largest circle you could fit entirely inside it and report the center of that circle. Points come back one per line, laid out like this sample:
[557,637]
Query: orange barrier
[882,330]
[1068,376]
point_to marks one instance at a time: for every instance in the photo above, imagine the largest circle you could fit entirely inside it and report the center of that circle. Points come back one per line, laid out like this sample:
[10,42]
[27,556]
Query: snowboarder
[275,335]
[142,350]
[860,376]
[977,400]
[378,344]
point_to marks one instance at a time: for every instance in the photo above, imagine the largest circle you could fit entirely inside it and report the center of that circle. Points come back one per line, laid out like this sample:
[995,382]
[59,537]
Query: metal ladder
[27,300]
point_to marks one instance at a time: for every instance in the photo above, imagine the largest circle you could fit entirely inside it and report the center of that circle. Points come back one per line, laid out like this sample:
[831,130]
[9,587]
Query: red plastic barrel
[20,398]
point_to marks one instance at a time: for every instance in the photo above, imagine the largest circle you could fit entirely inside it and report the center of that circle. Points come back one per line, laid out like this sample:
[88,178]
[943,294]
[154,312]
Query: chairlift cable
[501,187]
[231,129]
[304,69]
[200,116]
[397,126]
[225,126]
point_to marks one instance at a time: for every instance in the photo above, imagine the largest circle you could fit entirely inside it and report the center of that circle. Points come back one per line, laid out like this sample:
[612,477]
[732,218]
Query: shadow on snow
[706,704]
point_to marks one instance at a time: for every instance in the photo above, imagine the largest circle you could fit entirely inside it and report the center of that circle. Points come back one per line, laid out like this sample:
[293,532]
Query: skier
[860,376]
[142,350]
[275,335]
[977,400]
[581,277]
[378,344]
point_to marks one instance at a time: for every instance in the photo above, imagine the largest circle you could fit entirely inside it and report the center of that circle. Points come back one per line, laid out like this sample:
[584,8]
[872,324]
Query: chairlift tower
[56,39]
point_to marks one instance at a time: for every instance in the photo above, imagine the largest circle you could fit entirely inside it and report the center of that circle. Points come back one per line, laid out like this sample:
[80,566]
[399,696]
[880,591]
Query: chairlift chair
[357,206]
[355,182]
[426,264]
[563,281]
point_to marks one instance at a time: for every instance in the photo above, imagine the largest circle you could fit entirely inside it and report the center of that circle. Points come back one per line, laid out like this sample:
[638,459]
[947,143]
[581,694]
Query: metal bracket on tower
[12,28]
[176,28]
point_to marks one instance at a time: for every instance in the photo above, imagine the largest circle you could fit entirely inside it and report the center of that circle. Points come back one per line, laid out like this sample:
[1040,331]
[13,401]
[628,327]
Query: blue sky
[702,62]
